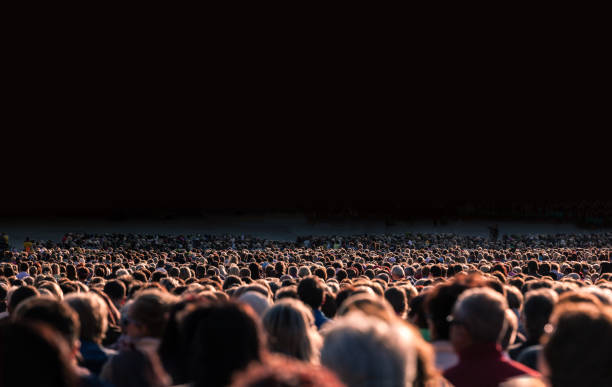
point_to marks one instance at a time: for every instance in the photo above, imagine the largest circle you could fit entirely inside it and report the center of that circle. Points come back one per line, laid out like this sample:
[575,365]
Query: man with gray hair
[364,351]
[477,328]
[397,273]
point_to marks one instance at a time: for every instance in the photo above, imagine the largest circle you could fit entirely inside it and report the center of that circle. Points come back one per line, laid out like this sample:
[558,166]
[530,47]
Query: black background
[101,134]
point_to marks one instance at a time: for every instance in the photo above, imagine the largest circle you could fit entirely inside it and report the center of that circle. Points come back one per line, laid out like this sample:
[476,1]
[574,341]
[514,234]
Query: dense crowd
[365,310]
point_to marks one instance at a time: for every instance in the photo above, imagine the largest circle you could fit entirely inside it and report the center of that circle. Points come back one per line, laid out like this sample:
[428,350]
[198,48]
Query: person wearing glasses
[477,328]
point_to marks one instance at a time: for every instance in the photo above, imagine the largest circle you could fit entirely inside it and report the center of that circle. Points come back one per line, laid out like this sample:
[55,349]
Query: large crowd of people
[363,310]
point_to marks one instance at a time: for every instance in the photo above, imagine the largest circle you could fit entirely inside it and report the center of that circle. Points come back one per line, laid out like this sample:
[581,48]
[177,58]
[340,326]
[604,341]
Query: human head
[478,317]
[397,298]
[218,339]
[290,330]
[311,291]
[285,372]
[54,313]
[93,312]
[577,352]
[439,303]
[26,345]
[20,294]
[368,304]
[538,307]
[257,301]
[365,351]
[397,273]
[116,291]
[147,315]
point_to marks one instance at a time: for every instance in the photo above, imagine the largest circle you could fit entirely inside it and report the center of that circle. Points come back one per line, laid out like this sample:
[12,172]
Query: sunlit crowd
[363,310]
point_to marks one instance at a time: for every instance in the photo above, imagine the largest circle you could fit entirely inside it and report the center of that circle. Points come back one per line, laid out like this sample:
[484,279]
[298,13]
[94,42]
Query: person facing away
[477,327]
[311,293]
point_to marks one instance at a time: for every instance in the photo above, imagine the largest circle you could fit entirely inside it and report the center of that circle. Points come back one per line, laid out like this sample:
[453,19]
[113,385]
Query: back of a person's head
[289,330]
[219,338]
[514,297]
[537,309]
[397,271]
[365,351]
[483,312]
[150,309]
[256,300]
[311,291]
[33,355]
[285,372]
[132,368]
[20,294]
[115,289]
[93,314]
[397,298]
[439,304]
[368,304]
[286,292]
[577,351]
[56,314]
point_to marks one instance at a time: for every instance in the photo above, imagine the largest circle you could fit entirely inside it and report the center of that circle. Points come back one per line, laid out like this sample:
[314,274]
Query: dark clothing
[484,365]
[94,356]
[529,356]
[516,352]
[320,318]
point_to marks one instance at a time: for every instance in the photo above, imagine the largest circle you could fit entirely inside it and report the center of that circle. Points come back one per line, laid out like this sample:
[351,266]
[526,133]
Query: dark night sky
[140,137]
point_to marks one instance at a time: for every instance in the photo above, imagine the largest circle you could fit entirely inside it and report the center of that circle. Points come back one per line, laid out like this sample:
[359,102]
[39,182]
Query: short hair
[149,309]
[303,272]
[397,271]
[539,305]
[20,294]
[115,289]
[439,302]
[56,314]
[310,291]
[397,299]
[93,315]
[514,297]
[286,292]
[483,312]
[365,351]
[230,281]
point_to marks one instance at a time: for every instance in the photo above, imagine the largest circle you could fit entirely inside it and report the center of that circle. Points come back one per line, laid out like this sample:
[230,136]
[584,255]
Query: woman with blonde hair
[291,330]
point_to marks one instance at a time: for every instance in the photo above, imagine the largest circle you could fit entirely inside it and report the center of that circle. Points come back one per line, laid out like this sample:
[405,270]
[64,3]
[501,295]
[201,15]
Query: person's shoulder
[520,369]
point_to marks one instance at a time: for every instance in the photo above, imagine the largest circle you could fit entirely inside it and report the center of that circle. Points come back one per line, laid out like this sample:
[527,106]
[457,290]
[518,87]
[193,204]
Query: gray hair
[304,271]
[398,271]
[365,351]
[483,313]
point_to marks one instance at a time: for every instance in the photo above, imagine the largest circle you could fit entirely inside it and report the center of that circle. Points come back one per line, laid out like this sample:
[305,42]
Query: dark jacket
[94,356]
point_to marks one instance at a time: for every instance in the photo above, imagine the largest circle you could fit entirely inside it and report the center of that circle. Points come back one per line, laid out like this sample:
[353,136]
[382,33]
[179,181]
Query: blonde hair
[368,304]
[289,325]
[93,315]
